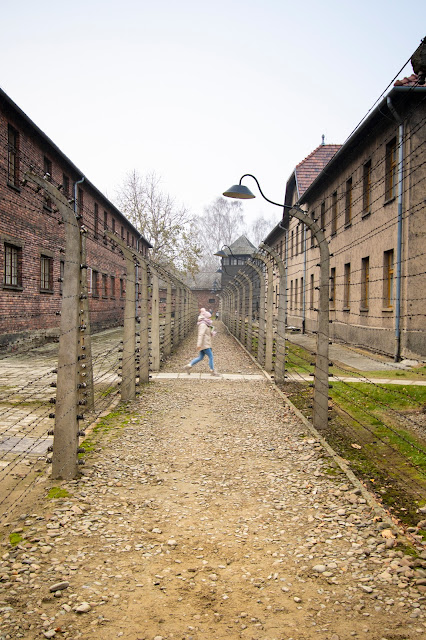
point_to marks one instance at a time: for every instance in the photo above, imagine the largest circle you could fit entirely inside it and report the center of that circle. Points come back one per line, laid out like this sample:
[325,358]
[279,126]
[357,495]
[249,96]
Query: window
[390,177]
[133,241]
[95,284]
[302,238]
[366,188]
[334,213]
[46,274]
[291,294]
[112,286]
[333,287]
[113,225]
[47,165]
[104,285]
[348,203]
[122,288]
[292,244]
[65,185]
[301,293]
[312,233]
[105,221]
[388,277]
[122,232]
[311,292]
[296,290]
[12,156]
[347,286]
[12,266]
[322,216]
[297,239]
[96,220]
[61,276]
[128,238]
[365,282]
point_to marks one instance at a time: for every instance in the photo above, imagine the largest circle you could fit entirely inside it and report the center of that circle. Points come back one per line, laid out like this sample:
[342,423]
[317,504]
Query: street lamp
[320,402]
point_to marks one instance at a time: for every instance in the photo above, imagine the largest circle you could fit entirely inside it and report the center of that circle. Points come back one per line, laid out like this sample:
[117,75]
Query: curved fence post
[282,307]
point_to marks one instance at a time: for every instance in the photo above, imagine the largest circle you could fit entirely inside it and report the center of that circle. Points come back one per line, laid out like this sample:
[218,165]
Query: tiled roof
[307,170]
[412,81]
[241,247]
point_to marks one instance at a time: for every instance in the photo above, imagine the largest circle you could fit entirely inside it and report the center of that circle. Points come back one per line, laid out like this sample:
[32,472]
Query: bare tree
[221,223]
[261,227]
[167,226]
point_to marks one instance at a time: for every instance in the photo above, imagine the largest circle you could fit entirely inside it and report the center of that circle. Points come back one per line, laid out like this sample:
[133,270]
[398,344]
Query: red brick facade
[32,236]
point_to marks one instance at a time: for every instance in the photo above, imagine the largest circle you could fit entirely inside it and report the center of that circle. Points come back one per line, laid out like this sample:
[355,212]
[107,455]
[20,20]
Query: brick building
[369,198]
[32,236]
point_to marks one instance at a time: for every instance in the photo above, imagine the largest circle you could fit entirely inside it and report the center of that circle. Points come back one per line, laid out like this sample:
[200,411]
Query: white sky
[202,92]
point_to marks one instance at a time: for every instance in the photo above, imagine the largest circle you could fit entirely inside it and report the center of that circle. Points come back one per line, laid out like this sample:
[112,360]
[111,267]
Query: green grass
[15,538]
[57,492]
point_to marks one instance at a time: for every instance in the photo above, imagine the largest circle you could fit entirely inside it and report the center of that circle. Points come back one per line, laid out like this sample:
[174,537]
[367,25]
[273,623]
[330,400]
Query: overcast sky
[202,92]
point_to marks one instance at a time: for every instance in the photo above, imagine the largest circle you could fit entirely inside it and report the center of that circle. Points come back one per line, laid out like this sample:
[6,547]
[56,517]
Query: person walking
[204,342]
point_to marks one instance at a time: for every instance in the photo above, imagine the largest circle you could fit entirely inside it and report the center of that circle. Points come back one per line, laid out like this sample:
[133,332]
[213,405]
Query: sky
[202,92]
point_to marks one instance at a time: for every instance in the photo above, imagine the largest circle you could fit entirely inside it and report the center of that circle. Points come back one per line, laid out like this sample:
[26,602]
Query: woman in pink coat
[204,342]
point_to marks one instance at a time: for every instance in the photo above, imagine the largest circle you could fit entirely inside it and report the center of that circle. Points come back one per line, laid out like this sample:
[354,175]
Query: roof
[241,247]
[307,170]
[411,81]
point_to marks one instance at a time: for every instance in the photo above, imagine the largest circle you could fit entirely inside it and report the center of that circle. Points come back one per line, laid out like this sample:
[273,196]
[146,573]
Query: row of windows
[99,284]
[297,292]
[104,285]
[12,278]
[297,235]
[13,179]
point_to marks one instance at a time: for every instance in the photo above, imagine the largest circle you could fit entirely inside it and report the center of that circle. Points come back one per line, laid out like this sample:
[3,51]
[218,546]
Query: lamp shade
[221,254]
[239,191]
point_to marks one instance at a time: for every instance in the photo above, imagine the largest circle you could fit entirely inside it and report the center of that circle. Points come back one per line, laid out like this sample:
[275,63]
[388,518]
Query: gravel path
[209,512]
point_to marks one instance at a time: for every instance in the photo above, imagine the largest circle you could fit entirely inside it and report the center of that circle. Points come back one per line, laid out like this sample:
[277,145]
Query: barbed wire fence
[50,396]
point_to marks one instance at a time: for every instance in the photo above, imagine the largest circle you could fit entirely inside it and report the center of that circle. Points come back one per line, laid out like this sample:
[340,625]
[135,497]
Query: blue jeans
[204,352]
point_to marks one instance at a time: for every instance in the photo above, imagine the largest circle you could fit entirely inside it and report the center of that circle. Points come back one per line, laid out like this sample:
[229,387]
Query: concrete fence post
[155,320]
[269,303]
[249,334]
[66,437]
[279,368]
[261,319]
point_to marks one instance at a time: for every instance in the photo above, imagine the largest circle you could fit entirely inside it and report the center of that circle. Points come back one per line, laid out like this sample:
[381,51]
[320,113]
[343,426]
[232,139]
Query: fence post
[128,363]
[65,443]
[242,335]
[261,320]
[167,347]
[143,325]
[269,302]
[249,335]
[282,306]
[155,321]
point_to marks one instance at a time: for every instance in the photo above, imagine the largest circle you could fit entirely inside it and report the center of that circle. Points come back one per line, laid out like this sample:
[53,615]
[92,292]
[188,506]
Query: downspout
[304,281]
[397,355]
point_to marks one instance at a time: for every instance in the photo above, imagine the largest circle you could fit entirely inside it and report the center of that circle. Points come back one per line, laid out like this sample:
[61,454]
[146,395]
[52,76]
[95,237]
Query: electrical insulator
[51,415]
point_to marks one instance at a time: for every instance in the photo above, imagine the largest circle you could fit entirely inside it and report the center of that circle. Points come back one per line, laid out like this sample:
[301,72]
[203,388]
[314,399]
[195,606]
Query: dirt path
[209,512]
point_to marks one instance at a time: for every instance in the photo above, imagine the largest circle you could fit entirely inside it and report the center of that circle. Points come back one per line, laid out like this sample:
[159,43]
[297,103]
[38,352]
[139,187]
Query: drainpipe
[304,281]
[397,354]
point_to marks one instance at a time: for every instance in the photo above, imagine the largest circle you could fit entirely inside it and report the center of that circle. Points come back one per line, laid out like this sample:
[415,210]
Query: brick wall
[34,228]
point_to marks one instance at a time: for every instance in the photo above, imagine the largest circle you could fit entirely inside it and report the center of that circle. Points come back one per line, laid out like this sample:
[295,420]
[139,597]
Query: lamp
[221,253]
[320,403]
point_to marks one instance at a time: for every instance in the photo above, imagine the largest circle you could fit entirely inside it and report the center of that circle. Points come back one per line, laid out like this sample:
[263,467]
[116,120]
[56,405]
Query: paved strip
[206,376]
